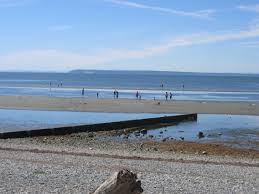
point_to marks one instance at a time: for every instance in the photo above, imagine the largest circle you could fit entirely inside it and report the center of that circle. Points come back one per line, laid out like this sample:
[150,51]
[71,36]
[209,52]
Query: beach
[78,163]
[127,105]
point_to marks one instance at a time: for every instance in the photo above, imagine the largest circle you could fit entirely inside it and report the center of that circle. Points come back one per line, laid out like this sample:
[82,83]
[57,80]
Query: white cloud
[205,14]
[60,27]
[60,60]
[252,8]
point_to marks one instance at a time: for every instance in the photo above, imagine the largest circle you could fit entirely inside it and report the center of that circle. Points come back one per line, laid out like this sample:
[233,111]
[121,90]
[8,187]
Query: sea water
[184,86]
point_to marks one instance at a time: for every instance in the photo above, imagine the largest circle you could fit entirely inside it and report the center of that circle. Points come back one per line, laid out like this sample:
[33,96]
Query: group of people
[116,94]
[168,95]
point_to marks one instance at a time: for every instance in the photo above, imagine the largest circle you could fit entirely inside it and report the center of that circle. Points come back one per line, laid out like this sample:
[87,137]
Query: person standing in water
[83,91]
[166,95]
[97,95]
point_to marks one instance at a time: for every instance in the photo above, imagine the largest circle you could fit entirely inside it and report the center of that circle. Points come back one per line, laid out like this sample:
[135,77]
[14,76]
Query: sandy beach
[127,105]
[79,163]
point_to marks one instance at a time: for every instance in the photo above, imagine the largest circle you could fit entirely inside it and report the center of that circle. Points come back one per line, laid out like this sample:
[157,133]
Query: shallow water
[234,130]
[130,94]
[17,120]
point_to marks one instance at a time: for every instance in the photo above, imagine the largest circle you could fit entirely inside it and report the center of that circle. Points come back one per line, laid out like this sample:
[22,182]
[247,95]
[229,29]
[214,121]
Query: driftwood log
[122,182]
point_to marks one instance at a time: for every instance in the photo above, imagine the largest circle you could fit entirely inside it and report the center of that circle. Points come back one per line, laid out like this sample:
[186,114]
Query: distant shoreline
[46,86]
[127,105]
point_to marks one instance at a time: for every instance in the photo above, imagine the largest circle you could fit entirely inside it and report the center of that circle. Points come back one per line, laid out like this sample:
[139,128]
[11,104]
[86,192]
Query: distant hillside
[116,72]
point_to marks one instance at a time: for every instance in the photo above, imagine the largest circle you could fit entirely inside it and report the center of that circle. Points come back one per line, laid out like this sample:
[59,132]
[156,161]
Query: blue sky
[61,35]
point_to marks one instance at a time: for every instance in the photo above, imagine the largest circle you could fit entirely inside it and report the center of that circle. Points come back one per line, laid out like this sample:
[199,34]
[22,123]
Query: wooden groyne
[166,120]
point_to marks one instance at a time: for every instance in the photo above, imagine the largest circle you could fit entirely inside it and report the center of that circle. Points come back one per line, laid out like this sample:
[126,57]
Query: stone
[143,131]
[122,182]
[201,135]
[91,135]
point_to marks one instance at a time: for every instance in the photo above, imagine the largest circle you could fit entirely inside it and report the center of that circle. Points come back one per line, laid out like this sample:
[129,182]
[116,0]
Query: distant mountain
[82,71]
[142,72]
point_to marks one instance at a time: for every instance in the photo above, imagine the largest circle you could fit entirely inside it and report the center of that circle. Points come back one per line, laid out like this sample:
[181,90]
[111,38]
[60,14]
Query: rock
[165,139]
[219,133]
[143,131]
[161,132]
[155,149]
[201,135]
[204,152]
[182,138]
[122,182]
[151,136]
[91,135]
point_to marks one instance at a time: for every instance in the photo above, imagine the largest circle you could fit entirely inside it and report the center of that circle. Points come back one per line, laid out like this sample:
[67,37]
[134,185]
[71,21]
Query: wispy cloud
[251,8]
[13,3]
[60,60]
[250,44]
[204,14]
[60,27]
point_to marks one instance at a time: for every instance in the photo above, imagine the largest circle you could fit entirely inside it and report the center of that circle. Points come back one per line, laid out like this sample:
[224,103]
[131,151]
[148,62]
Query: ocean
[184,86]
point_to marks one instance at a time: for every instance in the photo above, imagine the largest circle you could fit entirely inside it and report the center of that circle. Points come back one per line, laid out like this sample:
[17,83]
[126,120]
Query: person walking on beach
[114,94]
[166,95]
[97,95]
[137,95]
[117,94]
[83,91]
[170,95]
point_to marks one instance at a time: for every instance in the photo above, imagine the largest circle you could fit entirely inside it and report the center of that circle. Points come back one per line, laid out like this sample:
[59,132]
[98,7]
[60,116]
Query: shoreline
[106,144]
[77,87]
[126,105]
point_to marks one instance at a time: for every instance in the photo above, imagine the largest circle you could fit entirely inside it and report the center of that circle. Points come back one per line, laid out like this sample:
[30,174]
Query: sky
[219,36]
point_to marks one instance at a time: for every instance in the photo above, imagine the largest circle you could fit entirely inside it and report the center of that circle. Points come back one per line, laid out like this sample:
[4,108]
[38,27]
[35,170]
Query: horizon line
[125,70]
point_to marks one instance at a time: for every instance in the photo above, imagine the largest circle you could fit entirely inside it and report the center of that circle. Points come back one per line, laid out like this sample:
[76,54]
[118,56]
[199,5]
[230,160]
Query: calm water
[243,130]
[216,87]
[130,94]
[17,120]
[237,130]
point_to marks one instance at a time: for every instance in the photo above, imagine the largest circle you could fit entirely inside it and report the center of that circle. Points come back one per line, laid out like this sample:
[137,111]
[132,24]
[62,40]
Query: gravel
[28,166]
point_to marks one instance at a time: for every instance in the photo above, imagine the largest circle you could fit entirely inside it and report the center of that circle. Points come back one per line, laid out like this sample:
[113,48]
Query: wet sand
[127,105]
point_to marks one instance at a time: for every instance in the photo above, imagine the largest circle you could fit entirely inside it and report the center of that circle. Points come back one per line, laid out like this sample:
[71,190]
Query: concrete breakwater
[166,120]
